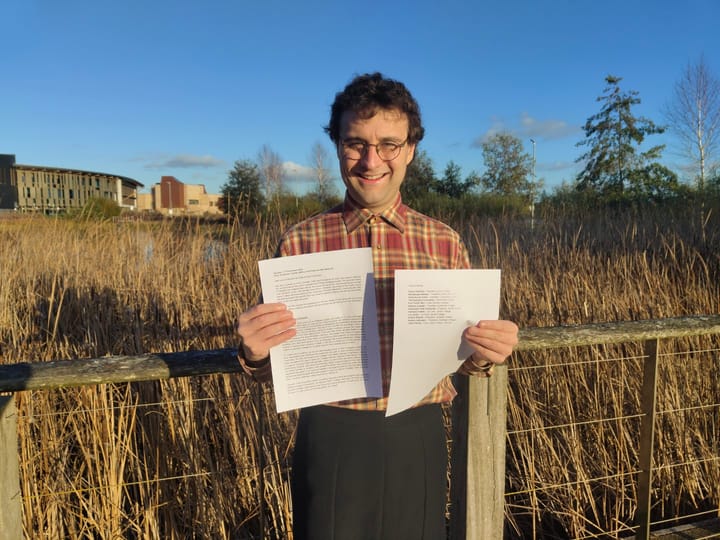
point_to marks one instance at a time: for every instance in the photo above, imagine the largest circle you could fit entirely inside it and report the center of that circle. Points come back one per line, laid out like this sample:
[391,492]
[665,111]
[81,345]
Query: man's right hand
[264,326]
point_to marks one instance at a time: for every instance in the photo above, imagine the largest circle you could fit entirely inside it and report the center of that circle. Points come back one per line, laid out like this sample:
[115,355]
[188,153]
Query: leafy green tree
[242,193]
[714,181]
[613,162]
[420,179]
[507,168]
[452,184]
[653,181]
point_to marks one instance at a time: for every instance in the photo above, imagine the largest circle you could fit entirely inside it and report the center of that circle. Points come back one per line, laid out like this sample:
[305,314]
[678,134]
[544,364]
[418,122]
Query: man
[357,474]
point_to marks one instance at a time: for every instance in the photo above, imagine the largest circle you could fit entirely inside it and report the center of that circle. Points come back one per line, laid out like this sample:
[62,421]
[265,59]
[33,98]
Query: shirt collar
[355,215]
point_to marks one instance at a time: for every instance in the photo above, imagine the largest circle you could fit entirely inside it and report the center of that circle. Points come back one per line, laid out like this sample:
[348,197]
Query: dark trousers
[360,476]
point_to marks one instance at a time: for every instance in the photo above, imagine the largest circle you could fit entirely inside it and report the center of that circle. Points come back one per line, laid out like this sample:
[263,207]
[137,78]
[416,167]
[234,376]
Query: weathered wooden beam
[532,339]
[648,397]
[477,493]
[119,369]
[487,430]
[10,496]
[116,369]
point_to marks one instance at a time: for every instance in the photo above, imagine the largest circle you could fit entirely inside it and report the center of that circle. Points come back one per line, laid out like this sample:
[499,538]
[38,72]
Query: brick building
[173,197]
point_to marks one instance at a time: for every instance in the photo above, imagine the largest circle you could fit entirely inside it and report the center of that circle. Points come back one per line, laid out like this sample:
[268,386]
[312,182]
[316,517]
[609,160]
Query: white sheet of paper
[432,308]
[336,352]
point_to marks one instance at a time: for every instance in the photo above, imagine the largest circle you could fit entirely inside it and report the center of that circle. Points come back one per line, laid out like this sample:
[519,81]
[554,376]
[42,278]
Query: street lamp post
[532,188]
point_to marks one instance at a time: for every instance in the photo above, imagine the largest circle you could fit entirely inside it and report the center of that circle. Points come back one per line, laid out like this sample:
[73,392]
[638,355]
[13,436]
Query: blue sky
[185,88]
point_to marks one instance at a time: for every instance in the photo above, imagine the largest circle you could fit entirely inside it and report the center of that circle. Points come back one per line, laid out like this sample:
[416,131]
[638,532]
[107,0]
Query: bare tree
[319,158]
[693,115]
[272,172]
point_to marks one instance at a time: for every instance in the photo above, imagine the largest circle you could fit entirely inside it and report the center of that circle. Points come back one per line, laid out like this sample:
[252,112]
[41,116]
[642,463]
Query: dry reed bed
[178,459]
[174,459]
[605,271]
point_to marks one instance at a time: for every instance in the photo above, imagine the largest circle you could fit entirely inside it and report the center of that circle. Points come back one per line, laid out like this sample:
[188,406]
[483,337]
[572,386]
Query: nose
[370,157]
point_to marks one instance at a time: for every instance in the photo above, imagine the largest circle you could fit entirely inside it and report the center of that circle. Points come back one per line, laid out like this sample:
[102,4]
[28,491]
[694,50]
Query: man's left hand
[492,341]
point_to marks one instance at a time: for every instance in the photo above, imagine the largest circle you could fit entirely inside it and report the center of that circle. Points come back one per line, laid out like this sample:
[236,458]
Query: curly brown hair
[367,93]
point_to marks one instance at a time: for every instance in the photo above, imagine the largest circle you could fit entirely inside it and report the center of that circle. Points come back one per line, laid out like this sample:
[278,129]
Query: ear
[410,154]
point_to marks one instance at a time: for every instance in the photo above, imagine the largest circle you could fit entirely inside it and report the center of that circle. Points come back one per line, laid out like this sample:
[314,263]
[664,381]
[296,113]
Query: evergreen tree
[613,163]
[420,179]
[451,183]
[242,193]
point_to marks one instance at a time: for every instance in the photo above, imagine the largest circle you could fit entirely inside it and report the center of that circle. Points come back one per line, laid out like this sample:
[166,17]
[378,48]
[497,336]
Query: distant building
[37,188]
[173,197]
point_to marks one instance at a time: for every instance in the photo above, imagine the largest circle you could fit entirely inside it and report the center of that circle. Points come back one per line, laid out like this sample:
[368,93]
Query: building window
[193,201]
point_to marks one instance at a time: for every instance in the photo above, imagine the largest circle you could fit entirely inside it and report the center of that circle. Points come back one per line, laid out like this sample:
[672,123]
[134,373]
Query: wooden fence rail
[479,413]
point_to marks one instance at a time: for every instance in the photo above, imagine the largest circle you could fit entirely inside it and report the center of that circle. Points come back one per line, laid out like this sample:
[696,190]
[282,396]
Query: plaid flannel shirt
[400,238]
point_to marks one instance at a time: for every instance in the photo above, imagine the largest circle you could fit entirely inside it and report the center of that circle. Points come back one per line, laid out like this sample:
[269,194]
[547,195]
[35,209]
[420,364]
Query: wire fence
[573,463]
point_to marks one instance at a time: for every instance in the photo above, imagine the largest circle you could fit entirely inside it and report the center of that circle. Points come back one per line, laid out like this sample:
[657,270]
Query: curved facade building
[36,188]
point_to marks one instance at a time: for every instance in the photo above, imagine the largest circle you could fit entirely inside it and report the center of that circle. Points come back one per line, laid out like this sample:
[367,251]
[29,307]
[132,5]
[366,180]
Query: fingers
[492,340]
[264,326]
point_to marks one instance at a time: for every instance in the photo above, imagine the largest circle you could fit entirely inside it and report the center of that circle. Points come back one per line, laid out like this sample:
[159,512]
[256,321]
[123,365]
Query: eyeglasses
[356,149]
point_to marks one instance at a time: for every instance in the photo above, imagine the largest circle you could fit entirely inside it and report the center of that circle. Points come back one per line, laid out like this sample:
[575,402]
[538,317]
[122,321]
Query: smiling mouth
[371,178]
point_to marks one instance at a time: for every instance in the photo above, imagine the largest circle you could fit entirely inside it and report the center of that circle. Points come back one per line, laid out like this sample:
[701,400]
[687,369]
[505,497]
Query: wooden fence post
[10,500]
[260,406]
[647,439]
[478,485]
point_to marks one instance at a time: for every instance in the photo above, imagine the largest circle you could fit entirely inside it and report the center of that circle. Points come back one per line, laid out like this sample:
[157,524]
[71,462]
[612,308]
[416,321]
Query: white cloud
[546,129]
[298,171]
[185,161]
[497,126]
[529,127]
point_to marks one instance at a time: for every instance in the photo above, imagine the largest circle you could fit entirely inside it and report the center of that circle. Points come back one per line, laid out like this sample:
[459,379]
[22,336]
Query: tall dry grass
[179,459]
[171,459]
[607,268]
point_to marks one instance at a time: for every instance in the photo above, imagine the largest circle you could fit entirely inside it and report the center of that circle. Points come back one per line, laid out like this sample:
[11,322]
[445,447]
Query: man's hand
[262,327]
[492,341]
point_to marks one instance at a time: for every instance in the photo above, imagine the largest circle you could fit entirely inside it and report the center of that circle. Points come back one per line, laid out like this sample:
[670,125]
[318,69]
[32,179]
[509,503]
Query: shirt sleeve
[463,257]
[260,371]
[473,368]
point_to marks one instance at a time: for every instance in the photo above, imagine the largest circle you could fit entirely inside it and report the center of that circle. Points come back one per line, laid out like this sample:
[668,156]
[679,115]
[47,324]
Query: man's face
[371,181]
